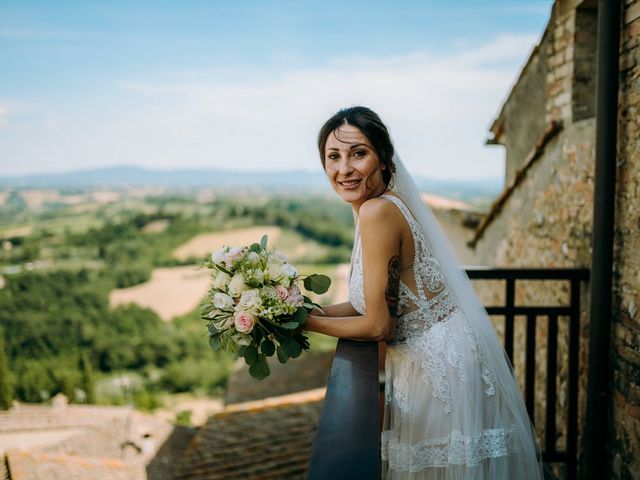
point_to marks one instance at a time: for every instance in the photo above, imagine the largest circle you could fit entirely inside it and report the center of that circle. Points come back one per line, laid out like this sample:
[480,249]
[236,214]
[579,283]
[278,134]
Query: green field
[59,262]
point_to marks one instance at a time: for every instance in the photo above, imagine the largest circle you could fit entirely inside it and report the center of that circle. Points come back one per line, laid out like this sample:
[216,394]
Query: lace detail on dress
[439,346]
[485,373]
[456,449]
[398,387]
[436,307]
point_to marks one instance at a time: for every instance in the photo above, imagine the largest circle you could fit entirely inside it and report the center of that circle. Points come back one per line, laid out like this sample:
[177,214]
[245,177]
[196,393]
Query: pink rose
[244,322]
[296,300]
[294,290]
[282,292]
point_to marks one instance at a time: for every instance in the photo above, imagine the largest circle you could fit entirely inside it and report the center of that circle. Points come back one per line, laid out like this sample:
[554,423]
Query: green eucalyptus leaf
[260,369]
[290,325]
[300,317]
[250,354]
[282,355]
[268,347]
[317,283]
[292,348]
[214,342]
[222,269]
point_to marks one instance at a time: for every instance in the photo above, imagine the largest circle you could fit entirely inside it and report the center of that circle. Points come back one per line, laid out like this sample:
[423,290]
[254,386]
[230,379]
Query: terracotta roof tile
[268,439]
[309,371]
[25,465]
[163,466]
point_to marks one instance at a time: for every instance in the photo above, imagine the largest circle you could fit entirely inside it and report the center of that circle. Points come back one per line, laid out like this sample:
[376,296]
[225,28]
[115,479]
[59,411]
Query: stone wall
[625,443]
[546,222]
[546,219]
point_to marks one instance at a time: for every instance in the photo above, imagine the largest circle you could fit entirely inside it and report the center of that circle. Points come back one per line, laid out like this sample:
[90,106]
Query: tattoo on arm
[392,292]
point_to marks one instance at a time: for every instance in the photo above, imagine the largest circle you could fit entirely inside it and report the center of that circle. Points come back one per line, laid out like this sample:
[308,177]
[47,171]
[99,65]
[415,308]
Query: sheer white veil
[511,403]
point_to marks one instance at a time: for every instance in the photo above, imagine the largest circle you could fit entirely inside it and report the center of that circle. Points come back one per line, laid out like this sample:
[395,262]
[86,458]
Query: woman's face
[349,160]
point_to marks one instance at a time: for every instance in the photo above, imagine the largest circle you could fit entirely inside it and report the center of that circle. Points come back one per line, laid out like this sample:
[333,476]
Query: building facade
[544,215]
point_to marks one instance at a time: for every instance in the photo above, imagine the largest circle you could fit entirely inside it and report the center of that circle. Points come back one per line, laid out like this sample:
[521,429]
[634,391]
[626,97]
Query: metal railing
[347,442]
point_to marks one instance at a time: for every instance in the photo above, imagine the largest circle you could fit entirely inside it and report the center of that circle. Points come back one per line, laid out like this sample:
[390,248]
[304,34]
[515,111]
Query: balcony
[347,442]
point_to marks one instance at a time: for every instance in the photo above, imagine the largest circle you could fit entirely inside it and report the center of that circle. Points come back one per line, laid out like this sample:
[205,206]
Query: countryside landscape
[101,285]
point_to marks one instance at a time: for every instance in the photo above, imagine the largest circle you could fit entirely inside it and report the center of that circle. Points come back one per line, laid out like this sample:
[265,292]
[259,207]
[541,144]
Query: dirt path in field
[169,292]
[205,243]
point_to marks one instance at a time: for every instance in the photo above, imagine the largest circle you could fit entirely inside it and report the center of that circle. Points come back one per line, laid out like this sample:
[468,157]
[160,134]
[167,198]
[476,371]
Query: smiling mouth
[350,183]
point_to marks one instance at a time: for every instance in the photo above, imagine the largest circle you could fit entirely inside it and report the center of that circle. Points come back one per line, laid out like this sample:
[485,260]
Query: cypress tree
[88,382]
[6,388]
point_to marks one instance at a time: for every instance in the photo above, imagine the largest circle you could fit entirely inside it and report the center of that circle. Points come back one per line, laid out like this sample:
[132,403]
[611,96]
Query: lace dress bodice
[420,310]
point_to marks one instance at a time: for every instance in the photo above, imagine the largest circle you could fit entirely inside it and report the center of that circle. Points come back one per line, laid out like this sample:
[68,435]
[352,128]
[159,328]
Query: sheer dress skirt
[443,418]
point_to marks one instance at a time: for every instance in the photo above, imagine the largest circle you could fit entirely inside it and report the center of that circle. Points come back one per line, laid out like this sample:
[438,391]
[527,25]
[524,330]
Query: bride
[453,409]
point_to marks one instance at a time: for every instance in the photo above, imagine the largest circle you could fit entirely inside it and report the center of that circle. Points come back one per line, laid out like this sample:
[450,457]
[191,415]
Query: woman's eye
[359,153]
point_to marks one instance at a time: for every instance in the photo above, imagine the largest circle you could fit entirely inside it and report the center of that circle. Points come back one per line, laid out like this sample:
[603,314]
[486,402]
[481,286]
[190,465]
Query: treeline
[123,245]
[59,330]
[326,221]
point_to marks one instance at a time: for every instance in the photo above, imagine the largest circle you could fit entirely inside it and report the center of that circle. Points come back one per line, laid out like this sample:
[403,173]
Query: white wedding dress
[444,415]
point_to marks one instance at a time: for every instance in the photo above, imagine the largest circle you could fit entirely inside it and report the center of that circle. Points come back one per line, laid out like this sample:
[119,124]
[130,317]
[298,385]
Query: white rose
[274,272]
[221,281]
[218,255]
[278,257]
[232,256]
[237,285]
[222,301]
[289,270]
[250,299]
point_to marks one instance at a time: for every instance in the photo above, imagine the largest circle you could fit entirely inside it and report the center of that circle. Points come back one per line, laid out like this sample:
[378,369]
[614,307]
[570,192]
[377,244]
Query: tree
[6,388]
[88,382]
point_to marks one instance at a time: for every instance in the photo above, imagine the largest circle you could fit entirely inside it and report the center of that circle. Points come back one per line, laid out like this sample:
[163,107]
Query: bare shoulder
[380,218]
[375,210]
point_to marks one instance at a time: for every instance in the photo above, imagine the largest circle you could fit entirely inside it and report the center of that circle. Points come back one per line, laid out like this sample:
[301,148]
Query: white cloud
[437,107]
[4,116]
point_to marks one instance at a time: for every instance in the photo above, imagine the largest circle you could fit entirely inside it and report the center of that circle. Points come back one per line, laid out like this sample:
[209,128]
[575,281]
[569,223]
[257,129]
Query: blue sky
[247,84]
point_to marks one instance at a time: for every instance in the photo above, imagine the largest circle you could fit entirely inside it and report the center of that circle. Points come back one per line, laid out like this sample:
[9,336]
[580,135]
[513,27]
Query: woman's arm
[344,309]
[380,234]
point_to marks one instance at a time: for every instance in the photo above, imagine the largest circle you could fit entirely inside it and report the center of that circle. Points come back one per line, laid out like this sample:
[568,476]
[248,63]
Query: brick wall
[625,443]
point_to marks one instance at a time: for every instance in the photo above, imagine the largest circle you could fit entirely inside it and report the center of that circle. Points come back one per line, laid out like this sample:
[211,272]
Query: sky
[247,84]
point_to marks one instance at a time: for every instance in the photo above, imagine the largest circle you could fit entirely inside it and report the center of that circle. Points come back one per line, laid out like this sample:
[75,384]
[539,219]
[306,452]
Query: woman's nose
[345,167]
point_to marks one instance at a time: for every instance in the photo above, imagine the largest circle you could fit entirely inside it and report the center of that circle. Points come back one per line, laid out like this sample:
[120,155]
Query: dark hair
[369,123]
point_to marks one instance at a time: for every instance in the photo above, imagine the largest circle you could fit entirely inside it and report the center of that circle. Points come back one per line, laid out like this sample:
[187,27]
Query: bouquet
[254,306]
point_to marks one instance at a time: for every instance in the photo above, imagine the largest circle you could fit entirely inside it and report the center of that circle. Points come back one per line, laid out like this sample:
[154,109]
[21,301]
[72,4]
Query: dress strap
[406,212]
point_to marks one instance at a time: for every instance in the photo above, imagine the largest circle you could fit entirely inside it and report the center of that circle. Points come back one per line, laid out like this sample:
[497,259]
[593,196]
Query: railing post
[347,443]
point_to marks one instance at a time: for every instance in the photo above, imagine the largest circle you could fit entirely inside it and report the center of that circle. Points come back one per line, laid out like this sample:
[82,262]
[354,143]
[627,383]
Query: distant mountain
[124,176]
[137,177]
